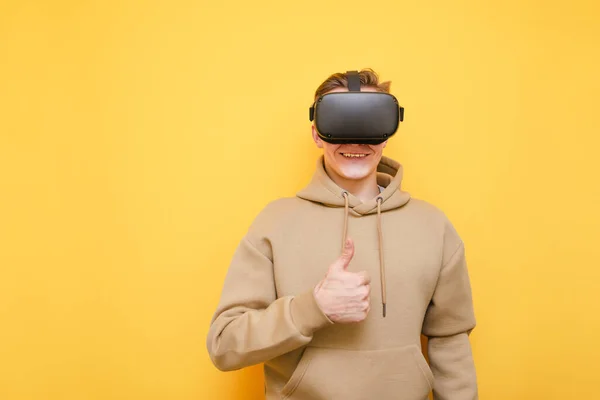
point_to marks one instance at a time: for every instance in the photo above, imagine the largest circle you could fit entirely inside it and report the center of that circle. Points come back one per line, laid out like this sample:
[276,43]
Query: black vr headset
[355,116]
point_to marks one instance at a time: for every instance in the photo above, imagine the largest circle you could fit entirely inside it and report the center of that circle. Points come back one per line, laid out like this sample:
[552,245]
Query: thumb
[347,253]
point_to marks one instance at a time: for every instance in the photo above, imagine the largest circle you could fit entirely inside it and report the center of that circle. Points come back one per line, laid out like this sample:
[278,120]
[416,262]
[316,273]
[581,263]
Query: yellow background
[138,140]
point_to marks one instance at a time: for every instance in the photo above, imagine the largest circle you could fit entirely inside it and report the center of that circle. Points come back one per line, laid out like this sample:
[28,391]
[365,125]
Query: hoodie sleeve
[448,322]
[251,325]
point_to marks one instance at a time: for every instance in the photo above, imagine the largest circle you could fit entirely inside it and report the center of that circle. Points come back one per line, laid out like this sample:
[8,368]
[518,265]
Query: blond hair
[368,78]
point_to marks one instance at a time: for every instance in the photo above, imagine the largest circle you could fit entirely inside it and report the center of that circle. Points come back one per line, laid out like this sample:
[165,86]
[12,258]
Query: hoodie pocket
[330,374]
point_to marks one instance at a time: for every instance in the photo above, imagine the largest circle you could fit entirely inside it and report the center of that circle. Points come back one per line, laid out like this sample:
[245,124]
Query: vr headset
[355,116]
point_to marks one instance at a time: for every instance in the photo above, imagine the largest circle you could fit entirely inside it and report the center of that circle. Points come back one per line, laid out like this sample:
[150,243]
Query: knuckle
[362,293]
[366,277]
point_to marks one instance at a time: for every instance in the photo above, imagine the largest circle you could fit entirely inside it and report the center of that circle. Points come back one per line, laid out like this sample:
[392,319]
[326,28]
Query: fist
[343,295]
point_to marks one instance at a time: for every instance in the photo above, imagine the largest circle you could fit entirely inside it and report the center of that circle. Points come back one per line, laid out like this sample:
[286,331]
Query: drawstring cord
[380,239]
[381,260]
[345,232]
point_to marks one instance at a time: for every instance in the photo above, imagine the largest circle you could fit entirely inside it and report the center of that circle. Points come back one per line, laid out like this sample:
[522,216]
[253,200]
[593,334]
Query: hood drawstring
[380,239]
[381,260]
[345,231]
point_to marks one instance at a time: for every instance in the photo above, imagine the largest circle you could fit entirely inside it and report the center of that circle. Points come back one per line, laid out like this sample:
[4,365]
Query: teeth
[351,155]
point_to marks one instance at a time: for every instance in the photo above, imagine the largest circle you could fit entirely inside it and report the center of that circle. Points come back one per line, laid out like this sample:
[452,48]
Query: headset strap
[353,81]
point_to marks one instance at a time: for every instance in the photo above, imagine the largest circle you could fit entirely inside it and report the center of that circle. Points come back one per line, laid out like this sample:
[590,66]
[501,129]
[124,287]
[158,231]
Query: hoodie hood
[322,189]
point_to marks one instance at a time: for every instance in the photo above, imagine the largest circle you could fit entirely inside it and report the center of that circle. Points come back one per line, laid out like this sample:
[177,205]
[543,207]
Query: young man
[344,322]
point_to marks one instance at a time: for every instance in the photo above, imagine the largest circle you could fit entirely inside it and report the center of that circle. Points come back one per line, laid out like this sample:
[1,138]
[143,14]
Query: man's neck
[365,189]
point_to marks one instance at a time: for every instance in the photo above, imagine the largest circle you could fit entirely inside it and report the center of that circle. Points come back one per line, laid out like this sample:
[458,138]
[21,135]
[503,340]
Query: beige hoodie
[267,311]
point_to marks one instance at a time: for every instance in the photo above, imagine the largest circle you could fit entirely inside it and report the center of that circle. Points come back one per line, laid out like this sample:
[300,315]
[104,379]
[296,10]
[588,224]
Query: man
[313,316]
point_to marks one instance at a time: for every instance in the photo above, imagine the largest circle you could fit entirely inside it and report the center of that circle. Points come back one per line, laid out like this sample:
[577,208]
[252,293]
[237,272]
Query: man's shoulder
[276,213]
[424,208]
[280,207]
[436,218]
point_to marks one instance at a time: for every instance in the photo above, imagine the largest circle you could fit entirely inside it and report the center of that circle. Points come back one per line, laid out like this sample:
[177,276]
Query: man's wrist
[307,314]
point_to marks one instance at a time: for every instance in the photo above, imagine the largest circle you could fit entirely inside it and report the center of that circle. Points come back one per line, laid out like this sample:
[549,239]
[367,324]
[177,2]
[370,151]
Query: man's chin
[354,175]
[352,171]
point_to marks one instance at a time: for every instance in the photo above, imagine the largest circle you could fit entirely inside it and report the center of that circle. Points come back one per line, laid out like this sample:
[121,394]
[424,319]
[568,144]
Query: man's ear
[384,144]
[316,138]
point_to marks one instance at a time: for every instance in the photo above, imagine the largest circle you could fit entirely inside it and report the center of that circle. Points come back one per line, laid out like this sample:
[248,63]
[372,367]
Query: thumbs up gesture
[343,295]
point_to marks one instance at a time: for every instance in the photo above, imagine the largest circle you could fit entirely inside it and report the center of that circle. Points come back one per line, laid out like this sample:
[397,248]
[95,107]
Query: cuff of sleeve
[307,315]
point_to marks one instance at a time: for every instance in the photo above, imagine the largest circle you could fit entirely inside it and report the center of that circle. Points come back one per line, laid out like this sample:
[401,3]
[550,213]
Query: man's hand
[342,295]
